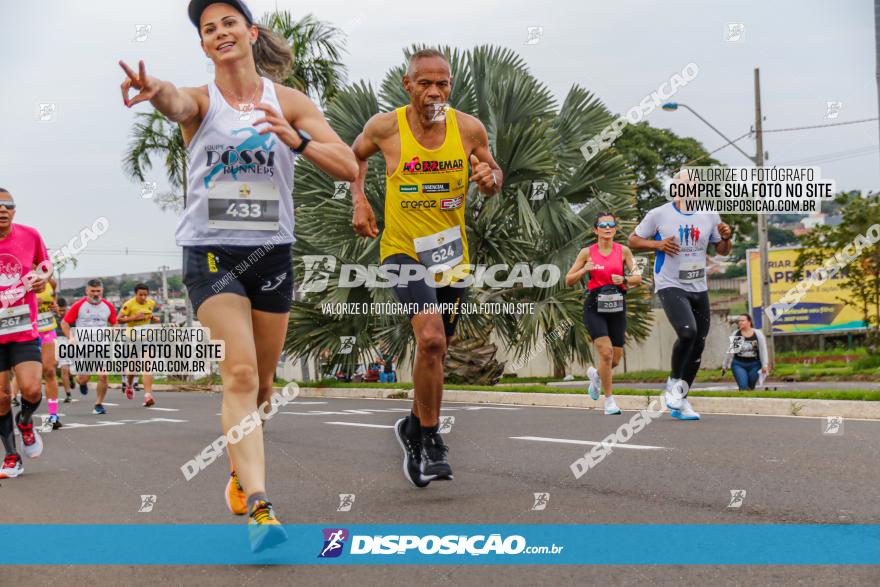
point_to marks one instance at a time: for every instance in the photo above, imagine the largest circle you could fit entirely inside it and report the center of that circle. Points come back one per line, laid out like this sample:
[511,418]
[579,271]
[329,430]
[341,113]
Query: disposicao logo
[334,541]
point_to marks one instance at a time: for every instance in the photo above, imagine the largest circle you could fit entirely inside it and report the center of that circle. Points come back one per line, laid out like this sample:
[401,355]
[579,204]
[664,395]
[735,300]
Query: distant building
[819,219]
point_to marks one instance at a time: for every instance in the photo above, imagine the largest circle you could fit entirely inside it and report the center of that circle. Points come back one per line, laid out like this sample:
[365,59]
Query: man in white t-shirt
[681,241]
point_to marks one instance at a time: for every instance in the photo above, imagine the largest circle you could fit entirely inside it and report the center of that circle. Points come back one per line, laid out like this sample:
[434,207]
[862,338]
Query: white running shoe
[611,408]
[11,468]
[32,444]
[686,412]
[673,394]
[595,383]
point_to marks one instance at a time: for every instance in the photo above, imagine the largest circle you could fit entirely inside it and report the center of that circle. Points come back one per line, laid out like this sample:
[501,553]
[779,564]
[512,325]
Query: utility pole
[763,241]
[165,309]
[187,307]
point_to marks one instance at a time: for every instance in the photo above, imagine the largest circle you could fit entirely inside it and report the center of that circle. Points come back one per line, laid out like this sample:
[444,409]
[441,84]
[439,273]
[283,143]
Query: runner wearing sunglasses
[605,305]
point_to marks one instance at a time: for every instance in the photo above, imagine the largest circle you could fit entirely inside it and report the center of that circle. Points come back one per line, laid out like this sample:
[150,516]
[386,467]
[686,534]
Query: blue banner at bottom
[476,544]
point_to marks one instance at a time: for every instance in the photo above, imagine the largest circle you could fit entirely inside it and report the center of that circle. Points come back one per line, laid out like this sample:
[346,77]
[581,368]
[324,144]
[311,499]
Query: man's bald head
[424,54]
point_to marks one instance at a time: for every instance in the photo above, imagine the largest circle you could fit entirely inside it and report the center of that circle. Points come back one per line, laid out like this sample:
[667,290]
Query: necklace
[241,102]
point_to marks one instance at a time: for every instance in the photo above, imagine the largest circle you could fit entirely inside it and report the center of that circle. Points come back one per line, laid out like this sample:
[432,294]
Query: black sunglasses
[7,205]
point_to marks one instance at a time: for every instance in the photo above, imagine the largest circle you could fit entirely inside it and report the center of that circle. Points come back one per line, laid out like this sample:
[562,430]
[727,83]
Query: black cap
[197,7]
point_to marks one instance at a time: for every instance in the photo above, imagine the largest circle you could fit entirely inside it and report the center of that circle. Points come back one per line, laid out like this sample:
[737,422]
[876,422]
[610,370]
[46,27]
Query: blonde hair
[272,54]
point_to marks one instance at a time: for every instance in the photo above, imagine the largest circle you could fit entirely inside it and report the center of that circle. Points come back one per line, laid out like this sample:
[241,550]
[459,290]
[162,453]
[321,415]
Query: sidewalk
[731,386]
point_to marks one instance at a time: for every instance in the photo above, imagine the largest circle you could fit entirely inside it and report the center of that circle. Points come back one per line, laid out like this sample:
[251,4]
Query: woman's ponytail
[272,54]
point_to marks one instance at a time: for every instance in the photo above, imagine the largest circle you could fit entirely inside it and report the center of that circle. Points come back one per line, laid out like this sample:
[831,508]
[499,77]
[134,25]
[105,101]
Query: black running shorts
[421,296]
[612,325]
[13,353]
[263,275]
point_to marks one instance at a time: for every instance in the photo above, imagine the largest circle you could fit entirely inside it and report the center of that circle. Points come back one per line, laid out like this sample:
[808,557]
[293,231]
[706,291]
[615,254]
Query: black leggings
[688,312]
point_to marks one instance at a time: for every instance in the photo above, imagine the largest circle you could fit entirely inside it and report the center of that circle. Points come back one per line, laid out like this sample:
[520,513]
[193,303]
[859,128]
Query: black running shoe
[412,455]
[434,463]
[67,398]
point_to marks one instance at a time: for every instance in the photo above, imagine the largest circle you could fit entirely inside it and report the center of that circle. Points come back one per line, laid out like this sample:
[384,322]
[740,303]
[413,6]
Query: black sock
[255,497]
[7,433]
[428,430]
[413,426]
[27,410]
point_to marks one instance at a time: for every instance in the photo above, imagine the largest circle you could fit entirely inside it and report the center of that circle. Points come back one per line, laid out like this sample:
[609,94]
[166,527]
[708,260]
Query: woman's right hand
[148,86]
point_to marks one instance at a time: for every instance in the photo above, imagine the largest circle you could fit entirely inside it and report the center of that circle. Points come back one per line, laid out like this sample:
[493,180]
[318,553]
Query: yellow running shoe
[236,500]
[264,528]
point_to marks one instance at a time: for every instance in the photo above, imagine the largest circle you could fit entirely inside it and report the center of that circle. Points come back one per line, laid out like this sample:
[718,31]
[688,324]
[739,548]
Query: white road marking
[351,412]
[165,409]
[362,425]
[74,425]
[587,442]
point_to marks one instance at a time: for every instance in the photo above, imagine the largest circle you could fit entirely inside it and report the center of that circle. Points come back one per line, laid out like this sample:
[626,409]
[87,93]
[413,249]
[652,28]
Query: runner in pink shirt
[24,270]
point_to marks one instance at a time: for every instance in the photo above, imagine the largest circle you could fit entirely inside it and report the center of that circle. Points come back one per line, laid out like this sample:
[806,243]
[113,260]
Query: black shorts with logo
[423,295]
[610,324]
[261,274]
[13,353]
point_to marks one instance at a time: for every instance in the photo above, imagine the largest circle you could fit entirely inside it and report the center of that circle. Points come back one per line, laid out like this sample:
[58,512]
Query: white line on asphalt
[165,409]
[362,425]
[109,404]
[587,442]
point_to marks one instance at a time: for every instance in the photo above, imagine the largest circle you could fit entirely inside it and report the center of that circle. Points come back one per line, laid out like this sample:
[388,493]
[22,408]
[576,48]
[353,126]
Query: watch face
[305,135]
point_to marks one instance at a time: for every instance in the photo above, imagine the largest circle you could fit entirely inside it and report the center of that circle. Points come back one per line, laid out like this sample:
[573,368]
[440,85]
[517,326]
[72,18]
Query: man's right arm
[365,146]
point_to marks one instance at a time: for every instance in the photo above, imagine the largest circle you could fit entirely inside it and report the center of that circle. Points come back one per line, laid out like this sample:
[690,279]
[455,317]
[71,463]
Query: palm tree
[534,140]
[154,135]
[317,71]
[317,51]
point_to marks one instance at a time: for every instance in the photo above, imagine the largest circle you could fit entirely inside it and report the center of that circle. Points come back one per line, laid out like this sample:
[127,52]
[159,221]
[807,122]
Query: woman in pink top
[605,306]
[21,251]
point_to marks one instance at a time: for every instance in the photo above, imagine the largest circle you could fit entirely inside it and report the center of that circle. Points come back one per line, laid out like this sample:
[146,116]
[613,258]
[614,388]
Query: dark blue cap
[197,7]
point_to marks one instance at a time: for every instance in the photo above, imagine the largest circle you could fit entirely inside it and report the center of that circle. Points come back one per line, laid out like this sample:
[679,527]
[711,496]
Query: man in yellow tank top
[427,147]
[46,325]
[138,311]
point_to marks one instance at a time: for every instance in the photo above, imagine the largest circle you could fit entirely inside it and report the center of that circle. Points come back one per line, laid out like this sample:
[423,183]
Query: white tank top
[239,183]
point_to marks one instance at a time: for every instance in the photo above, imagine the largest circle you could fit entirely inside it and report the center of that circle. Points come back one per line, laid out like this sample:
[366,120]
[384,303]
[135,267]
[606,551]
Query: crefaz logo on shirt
[418,204]
[416,165]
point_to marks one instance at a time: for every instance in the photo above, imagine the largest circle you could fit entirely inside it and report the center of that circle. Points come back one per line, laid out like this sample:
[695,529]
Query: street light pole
[763,244]
[165,308]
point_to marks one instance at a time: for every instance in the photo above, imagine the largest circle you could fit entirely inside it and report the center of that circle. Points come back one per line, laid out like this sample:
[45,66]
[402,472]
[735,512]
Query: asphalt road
[95,470]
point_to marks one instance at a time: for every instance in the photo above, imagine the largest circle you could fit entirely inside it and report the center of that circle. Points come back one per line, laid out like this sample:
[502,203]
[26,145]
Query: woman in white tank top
[243,133]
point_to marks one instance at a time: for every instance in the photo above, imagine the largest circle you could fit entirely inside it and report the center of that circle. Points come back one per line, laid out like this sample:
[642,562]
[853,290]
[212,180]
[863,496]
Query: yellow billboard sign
[823,309]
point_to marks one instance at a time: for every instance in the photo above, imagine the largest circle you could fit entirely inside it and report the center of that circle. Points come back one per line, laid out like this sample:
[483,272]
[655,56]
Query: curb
[813,408]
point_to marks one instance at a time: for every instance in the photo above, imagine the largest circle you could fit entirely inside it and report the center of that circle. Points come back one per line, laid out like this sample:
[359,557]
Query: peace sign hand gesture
[148,86]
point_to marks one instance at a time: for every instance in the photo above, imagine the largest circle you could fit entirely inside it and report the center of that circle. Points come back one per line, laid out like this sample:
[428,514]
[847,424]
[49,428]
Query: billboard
[822,310]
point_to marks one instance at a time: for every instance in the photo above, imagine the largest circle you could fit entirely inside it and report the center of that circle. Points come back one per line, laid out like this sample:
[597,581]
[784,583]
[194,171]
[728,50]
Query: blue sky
[66,173]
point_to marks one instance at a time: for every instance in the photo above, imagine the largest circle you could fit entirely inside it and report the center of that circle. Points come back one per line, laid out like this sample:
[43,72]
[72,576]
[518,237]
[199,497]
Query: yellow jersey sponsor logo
[416,165]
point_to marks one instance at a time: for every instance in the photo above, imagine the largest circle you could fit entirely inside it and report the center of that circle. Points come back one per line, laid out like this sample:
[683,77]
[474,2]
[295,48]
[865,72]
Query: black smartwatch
[306,139]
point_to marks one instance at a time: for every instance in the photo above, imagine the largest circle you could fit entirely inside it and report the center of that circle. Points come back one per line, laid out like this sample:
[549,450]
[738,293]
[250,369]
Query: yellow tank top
[132,308]
[425,199]
[45,315]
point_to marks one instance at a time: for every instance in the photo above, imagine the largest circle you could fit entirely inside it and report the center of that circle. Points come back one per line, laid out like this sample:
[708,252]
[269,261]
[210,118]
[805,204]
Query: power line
[836,156]
[820,125]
